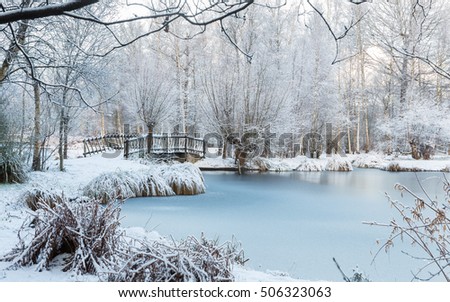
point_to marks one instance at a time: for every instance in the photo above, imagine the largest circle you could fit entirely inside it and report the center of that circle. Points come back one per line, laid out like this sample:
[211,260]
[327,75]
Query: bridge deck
[176,145]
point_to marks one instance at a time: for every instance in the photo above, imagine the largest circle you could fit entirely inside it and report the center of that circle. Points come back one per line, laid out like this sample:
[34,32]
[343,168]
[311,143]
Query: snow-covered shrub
[88,237]
[152,184]
[310,165]
[424,222]
[12,169]
[83,229]
[393,167]
[262,164]
[123,184]
[36,196]
[193,259]
[266,164]
[184,179]
[358,276]
[337,163]
[112,185]
[367,161]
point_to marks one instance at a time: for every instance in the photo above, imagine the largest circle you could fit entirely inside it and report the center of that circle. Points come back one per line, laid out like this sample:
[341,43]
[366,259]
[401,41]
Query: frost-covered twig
[426,223]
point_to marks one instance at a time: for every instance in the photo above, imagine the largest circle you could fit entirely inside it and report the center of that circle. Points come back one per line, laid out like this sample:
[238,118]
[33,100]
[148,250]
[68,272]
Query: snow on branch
[42,11]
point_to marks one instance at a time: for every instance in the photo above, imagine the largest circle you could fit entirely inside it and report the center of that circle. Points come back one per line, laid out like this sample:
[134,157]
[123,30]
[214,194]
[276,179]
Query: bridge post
[126,148]
[204,148]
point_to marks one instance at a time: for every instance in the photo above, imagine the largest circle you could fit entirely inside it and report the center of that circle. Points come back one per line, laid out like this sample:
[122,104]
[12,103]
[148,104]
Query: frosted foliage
[81,228]
[191,260]
[337,163]
[368,161]
[123,185]
[90,239]
[39,195]
[180,179]
[184,179]
[309,166]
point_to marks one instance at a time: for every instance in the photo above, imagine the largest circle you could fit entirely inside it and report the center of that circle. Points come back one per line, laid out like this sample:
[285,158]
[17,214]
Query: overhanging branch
[49,10]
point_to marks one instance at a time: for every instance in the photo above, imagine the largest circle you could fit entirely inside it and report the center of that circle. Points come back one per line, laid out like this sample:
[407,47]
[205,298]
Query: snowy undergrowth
[12,169]
[368,161]
[184,179]
[125,184]
[337,163]
[303,164]
[85,238]
[308,165]
[166,180]
[37,195]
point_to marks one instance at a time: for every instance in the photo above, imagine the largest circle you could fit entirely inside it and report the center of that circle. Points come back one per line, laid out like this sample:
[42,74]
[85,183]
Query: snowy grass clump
[191,260]
[124,184]
[184,179]
[86,238]
[36,196]
[266,164]
[12,169]
[82,229]
[337,163]
[368,161]
[310,165]
[168,180]
[152,184]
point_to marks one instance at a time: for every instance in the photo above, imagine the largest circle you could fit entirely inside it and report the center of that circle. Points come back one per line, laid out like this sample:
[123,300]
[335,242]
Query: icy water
[293,222]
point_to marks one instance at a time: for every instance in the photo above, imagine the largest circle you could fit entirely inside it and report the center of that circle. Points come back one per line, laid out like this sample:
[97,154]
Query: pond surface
[293,222]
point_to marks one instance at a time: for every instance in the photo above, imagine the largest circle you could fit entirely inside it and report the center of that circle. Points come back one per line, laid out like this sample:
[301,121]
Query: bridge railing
[164,144]
[101,144]
[133,144]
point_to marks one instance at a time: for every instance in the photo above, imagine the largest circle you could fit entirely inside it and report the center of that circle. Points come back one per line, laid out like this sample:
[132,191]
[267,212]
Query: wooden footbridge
[179,146]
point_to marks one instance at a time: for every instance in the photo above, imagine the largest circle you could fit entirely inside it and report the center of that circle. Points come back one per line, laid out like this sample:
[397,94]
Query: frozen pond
[292,222]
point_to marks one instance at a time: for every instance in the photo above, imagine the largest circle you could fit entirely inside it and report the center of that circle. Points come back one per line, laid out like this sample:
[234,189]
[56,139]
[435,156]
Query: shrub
[426,224]
[393,167]
[336,163]
[34,197]
[83,229]
[122,185]
[184,179]
[11,168]
[309,165]
[90,236]
[152,184]
[190,260]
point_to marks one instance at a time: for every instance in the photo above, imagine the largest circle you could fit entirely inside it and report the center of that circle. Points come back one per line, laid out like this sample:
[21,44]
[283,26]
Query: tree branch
[43,11]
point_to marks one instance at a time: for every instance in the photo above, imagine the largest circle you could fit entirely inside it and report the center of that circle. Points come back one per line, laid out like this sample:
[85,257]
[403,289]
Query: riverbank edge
[330,163]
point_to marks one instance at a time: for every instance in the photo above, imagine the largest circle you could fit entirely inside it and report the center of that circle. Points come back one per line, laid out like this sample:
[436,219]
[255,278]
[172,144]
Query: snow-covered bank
[333,163]
[401,163]
[79,173]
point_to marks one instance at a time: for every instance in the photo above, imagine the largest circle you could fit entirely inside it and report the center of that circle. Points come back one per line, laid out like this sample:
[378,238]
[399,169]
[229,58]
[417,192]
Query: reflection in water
[293,222]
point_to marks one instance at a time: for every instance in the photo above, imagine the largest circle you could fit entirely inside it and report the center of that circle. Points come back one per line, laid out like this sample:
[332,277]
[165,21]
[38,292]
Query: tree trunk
[61,138]
[66,135]
[36,164]
[224,149]
[150,138]
[415,152]
[14,49]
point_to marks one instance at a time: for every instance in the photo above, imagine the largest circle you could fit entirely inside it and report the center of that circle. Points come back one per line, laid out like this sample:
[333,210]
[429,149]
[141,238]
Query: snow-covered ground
[80,171]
